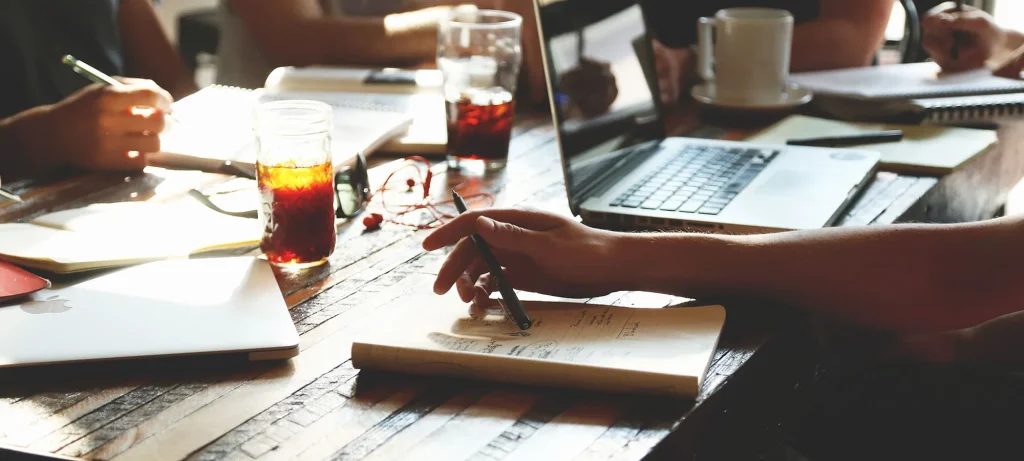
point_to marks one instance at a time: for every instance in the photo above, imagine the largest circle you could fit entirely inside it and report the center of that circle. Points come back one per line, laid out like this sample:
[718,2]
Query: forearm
[831,44]
[903,278]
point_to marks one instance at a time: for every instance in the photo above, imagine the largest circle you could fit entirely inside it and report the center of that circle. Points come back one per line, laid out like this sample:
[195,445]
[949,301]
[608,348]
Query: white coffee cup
[745,52]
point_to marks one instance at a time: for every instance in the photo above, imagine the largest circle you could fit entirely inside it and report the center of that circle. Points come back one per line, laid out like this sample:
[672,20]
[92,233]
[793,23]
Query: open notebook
[929,150]
[415,93]
[914,93]
[121,234]
[217,123]
[621,349]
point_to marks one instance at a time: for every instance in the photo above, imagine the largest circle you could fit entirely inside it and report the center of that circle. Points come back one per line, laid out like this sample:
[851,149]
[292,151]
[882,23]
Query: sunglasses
[351,189]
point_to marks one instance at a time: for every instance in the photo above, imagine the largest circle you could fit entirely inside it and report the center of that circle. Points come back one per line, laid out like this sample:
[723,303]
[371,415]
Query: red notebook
[16,282]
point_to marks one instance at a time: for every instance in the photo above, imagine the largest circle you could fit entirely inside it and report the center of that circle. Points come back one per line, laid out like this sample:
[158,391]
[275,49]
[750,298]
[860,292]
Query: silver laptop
[621,170]
[167,308]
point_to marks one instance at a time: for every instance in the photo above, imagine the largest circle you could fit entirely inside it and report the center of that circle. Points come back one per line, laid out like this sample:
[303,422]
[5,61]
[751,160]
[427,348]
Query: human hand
[673,67]
[98,128]
[590,87]
[981,37]
[542,252]
[1013,66]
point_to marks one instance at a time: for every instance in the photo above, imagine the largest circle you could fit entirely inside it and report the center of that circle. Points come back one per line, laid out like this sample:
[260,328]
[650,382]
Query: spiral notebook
[217,123]
[914,93]
[416,93]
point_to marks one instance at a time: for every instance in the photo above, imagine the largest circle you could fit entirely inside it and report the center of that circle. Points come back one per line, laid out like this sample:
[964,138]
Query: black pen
[954,52]
[878,137]
[513,308]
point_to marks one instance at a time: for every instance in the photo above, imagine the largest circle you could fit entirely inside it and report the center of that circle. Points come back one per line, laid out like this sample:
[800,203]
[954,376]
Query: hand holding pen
[99,128]
[961,38]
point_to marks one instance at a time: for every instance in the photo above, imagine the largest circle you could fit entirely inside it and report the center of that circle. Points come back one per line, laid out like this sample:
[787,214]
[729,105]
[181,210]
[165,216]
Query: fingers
[121,122]
[1013,67]
[509,236]
[123,98]
[458,260]
[146,143]
[485,285]
[974,22]
[465,224]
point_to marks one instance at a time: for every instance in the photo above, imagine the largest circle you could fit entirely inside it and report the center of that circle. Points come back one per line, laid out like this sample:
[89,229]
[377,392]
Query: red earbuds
[373,221]
[421,166]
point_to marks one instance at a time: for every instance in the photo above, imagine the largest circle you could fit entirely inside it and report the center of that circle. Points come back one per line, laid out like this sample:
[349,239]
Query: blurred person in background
[51,117]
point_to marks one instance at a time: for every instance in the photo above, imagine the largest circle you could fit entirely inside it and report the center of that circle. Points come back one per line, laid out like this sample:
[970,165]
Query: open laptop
[166,308]
[620,169]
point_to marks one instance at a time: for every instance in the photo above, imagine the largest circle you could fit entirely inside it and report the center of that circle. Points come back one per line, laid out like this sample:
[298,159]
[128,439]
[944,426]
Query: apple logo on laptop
[52,305]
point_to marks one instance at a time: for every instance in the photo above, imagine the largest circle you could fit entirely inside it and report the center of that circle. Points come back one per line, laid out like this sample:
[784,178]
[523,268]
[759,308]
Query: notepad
[930,150]
[663,351]
[914,93]
[905,81]
[122,234]
[217,123]
[414,93]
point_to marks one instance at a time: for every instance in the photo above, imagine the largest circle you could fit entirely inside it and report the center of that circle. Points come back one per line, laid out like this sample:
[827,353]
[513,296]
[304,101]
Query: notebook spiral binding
[343,103]
[975,108]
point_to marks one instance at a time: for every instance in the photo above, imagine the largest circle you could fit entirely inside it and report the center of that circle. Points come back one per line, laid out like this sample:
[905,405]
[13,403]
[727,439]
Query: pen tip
[68,59]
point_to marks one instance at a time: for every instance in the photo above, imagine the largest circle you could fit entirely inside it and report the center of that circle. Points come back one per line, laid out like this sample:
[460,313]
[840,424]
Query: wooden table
[316,406]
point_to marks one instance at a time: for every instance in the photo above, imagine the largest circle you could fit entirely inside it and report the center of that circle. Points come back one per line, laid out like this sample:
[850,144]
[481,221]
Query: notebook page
[423,121]
[359,125]
[216,123]
[924,149]
[62,251]
[580,345]
[904,81]
[180,227]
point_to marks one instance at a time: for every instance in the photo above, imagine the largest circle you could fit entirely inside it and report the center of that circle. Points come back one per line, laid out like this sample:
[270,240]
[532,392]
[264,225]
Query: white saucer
[795,96]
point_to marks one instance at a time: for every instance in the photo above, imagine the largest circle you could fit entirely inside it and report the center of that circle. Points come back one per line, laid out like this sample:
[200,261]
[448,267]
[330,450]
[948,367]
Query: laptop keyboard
[698,179]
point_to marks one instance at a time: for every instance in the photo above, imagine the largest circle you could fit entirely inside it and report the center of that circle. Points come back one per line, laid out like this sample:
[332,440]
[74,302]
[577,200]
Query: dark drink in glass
[480,127]
[297,213]
[478,54]
[296,181]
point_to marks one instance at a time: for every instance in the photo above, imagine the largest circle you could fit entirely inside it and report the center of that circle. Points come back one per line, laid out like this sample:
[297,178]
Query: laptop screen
[603,85]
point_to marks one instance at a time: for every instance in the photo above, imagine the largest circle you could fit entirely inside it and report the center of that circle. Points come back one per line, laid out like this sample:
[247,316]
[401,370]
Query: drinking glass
[479,53]
[296,182]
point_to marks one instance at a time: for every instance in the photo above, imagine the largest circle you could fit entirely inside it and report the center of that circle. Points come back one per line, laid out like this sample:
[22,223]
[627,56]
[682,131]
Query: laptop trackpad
[792,182]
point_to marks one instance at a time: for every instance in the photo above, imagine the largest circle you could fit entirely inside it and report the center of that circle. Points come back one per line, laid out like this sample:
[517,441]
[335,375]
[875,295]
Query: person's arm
[982,41]
[148,52]
[97,128]
[905,279]
[299,33]
[845,34]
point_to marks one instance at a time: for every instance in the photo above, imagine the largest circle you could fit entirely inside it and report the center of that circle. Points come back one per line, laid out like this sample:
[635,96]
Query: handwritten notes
[571,344]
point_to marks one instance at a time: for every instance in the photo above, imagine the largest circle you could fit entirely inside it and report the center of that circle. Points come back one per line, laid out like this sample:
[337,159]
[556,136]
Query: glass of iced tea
[296,182]
[478,52]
